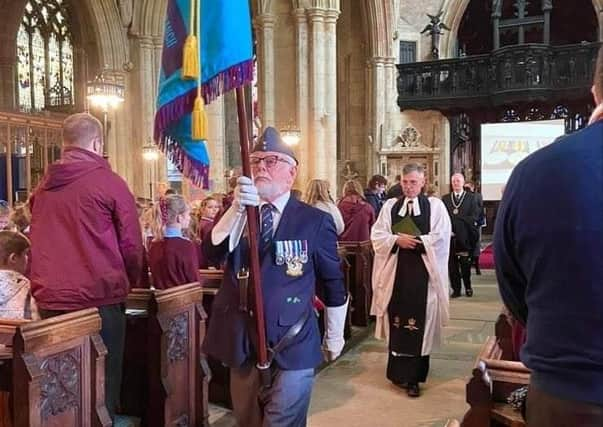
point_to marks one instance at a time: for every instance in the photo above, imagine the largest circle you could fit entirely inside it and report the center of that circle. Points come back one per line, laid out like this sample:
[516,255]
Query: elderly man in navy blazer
[298,247]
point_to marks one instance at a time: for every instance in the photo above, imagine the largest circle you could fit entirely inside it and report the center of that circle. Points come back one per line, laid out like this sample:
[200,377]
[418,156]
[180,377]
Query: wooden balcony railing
[523,73]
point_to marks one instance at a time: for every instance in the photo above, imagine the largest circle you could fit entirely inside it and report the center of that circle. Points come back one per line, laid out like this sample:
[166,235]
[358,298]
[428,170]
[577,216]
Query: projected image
[504,145]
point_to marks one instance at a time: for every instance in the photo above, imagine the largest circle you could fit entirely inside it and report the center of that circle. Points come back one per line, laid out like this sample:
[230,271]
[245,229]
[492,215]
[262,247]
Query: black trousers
[459,266]
[113,333]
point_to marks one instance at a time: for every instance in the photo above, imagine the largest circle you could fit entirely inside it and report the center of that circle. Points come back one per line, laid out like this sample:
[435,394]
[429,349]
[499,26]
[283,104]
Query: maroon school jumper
[358,216]
[173,262]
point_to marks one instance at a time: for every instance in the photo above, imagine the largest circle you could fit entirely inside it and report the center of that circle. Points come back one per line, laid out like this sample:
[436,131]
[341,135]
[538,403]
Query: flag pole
[254,254]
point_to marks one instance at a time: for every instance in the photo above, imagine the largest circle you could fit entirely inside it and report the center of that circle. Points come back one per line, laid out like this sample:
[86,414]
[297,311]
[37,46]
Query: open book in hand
[406,226]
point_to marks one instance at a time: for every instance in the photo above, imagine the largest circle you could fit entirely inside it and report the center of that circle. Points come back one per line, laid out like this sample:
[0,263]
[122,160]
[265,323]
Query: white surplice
[437,248]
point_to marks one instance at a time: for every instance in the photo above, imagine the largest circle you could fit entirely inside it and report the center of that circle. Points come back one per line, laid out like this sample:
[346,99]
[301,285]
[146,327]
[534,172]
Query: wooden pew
[493,379]
[165,373]
[219,386]
[56,371]
[360,256]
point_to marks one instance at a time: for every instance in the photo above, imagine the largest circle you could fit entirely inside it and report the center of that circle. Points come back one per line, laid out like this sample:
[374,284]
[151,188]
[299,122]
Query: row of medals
[294,253]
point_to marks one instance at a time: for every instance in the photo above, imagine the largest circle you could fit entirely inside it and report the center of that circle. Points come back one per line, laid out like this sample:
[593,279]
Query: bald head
[84,131]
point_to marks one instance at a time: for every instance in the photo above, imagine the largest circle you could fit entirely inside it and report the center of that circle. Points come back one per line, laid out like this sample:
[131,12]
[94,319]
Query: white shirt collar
[279,203]
[416,208]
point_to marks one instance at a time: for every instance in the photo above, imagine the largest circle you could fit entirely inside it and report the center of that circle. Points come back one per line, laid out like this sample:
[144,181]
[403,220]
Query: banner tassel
[190,51]
[199,118]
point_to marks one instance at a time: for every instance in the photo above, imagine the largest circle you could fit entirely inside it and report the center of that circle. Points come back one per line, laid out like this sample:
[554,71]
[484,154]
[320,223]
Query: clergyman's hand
[406,241]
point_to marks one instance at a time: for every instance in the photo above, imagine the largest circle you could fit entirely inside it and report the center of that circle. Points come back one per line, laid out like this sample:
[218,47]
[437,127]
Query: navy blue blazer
[286,298]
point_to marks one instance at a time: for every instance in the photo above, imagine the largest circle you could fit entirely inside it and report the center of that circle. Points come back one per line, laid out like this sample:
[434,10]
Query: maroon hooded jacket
[86,238]
[359,217]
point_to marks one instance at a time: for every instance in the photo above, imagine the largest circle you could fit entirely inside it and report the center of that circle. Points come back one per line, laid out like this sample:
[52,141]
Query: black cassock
[407,306]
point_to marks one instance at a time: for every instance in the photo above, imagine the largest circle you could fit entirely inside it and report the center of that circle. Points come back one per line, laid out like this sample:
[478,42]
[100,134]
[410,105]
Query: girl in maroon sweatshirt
[172,257]
[209,210]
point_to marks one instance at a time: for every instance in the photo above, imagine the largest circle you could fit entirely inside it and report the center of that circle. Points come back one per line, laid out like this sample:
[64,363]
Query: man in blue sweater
[549,265]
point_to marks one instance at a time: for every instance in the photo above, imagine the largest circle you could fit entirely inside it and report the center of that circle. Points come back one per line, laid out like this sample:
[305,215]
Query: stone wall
[352,92]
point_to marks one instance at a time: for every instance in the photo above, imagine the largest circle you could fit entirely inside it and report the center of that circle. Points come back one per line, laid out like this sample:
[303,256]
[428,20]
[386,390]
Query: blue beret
[271,140]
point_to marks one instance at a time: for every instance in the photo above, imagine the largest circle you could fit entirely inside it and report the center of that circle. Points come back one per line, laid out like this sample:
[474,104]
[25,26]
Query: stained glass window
[45,56]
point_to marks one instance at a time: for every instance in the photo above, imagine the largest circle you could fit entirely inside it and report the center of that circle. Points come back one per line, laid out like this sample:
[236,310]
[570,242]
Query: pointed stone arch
[149,18]
[379,17]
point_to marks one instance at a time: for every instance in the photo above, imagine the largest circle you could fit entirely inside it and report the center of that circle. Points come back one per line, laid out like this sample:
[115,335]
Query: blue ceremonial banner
[225,58]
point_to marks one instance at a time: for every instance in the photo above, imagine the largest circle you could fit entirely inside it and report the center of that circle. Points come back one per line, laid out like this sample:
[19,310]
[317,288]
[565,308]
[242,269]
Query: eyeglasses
[269,161]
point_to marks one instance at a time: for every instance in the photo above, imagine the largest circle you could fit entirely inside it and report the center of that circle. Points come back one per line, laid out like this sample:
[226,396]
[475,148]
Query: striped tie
[267,228]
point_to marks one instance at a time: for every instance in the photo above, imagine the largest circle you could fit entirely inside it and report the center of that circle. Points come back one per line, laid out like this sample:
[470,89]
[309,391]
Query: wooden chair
[57,371]
[166,374]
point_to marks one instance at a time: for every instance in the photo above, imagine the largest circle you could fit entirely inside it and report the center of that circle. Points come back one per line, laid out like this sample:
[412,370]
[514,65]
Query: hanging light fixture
[291,135]
[150,152]
[105,94]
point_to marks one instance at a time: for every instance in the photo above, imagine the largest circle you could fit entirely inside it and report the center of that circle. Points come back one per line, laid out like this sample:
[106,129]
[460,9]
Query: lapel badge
[411,325]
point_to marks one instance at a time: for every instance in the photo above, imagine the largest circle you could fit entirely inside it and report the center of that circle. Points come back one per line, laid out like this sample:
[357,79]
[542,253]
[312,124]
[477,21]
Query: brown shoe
[413,390]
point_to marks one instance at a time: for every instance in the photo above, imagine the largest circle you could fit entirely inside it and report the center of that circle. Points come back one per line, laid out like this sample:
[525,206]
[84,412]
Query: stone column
[317,93]
[264,27]
[377,93]
[161,172]
[119,139]
[216,144]
[147,88]
[302,93]
[330,117]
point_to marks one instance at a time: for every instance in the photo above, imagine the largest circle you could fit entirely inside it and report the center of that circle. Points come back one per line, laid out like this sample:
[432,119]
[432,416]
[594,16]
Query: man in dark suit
[298,247]
[464,212]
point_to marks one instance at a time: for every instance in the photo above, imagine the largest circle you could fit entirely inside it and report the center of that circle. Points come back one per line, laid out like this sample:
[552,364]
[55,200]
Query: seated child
[172,257]
[16,301]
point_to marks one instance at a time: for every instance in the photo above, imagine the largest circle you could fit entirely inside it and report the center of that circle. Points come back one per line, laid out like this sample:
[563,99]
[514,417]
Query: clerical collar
[279,203]
[416,207]
[172,232]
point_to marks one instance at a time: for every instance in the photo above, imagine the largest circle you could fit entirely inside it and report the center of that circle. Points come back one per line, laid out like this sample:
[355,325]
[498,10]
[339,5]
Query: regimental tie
[267,227]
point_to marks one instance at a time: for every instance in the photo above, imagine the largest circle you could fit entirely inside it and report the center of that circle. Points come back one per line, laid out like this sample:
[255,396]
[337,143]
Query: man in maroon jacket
[86,240]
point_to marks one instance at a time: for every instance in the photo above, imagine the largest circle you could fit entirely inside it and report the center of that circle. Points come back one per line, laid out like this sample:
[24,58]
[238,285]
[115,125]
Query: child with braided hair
[172,257]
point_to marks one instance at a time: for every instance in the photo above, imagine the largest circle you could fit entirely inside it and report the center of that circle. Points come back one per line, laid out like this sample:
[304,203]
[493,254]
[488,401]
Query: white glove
[233,221]
[245,194]
[334,324]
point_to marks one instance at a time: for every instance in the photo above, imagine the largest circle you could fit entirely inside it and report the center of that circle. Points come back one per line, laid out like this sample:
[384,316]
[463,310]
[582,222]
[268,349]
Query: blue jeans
[284,404]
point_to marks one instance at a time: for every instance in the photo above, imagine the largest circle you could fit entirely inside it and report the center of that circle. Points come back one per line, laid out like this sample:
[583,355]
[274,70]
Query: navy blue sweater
[548,245]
